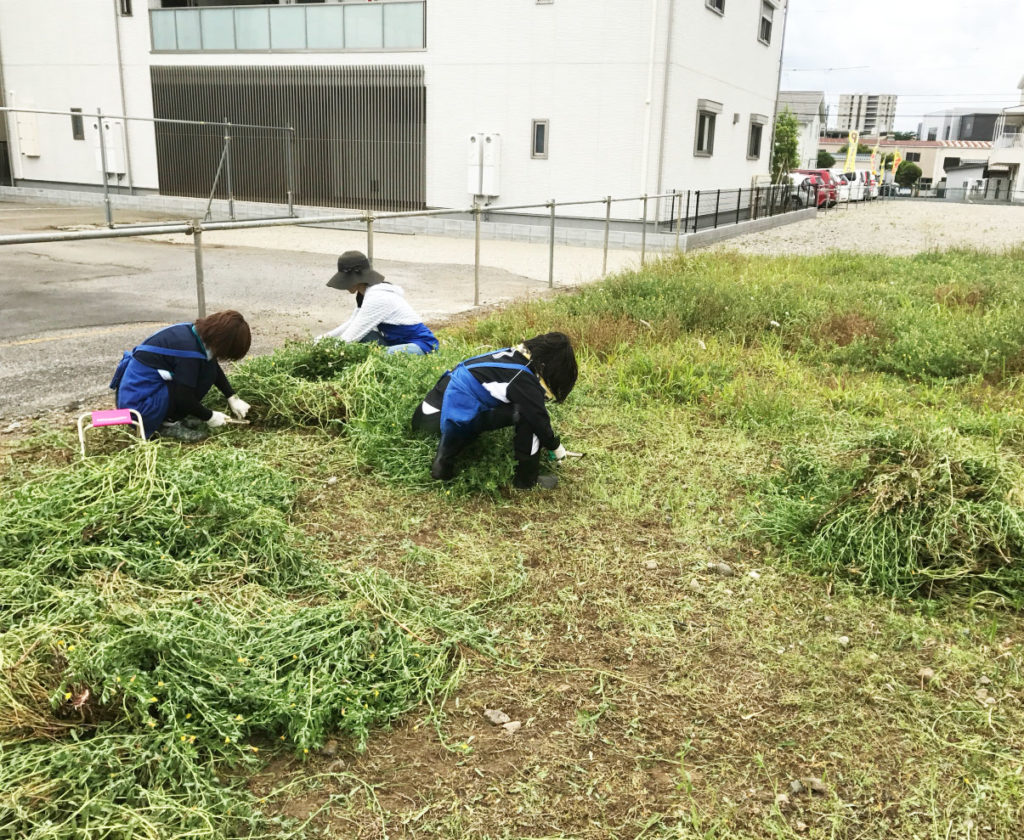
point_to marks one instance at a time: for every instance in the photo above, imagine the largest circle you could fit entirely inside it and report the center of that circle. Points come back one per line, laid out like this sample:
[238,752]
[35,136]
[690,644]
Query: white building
[867,113]
[392,101]
[959,124]
[808,106]
[1007,159]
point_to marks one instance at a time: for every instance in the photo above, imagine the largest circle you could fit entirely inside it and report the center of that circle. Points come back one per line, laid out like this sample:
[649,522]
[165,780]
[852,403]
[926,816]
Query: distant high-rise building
[867,113]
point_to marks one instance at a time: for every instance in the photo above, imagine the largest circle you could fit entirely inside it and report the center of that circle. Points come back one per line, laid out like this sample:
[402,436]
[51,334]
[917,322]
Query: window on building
[913,157]
[754,137]
[704,142]
[945,135]
[716,6]
[125,7]
[539,133]
[933,133]
[764,31]
[77,126]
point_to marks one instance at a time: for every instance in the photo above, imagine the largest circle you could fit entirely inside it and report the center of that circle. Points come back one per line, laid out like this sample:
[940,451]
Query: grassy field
[779,597]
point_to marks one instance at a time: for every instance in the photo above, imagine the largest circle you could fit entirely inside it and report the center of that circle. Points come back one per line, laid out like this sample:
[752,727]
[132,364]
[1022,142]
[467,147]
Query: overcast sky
[934,54]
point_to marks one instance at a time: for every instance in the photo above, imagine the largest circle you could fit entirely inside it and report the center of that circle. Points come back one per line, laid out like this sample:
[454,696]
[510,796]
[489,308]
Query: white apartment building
[392,104]
[868,113]
[808,106]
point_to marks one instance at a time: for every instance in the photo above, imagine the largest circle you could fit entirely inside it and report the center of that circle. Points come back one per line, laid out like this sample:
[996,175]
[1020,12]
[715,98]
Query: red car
[826,178]
[809,191]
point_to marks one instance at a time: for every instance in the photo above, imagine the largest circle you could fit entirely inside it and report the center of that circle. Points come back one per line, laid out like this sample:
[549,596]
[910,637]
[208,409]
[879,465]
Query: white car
[870,183]
[856,187]
[842,188]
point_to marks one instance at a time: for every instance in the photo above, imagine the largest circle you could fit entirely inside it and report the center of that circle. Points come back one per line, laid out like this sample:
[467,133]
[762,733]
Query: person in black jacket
[507,387]
[166,377]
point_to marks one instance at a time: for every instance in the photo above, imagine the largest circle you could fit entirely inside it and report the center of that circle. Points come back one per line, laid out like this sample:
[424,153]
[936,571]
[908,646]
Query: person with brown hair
[166,377]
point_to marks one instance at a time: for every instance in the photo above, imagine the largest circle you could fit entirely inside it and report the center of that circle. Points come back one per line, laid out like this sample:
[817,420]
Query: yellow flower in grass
[154,699]
[227,740]
[67,695]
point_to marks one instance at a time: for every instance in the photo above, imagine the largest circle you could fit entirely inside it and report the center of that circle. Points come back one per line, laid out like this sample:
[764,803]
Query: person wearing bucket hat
[507,387]
[382,315]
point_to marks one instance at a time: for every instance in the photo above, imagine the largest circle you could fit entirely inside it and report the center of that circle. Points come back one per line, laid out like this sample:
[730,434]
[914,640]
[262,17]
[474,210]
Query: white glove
[218,418]
[239,407]
[559,454]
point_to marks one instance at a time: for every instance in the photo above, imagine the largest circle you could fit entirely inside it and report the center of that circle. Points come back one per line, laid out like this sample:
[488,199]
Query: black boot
[527,475]
[443,469]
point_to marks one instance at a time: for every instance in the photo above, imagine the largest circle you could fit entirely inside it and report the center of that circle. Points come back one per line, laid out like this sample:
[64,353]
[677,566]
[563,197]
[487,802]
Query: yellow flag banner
[897,159]
[874,160]
[851,151]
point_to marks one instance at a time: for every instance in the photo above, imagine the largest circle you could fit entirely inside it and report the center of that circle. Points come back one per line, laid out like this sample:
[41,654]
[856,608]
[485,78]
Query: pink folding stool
[110,417]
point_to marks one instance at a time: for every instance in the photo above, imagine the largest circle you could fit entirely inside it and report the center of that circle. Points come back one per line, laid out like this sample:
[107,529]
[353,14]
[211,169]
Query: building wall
[949,125]
[617,124]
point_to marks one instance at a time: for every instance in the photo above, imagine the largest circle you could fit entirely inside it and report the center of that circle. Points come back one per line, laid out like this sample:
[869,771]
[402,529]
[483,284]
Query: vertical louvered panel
[359,133]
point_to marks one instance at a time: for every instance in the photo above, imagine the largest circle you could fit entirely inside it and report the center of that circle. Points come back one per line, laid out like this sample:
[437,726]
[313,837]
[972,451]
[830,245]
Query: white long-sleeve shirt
[383,303]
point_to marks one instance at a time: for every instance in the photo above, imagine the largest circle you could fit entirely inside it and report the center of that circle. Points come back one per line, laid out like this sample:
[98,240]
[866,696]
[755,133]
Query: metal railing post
[718,203]
[197,243]
[369,236]
[687,208]
[643,234]
[739,201]
[476,254]
[227,166]
[290,166]
[696,210]
[607,229]
[679,219]
[551,249]
[103,166]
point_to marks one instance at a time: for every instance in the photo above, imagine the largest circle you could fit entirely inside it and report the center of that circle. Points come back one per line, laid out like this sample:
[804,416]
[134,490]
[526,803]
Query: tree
[908,173]
[861,149]
[785,155]
[825,160]
[904,135]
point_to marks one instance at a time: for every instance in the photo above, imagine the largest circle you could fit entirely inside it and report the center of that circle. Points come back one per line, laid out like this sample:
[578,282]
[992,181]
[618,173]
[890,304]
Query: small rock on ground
[496,716]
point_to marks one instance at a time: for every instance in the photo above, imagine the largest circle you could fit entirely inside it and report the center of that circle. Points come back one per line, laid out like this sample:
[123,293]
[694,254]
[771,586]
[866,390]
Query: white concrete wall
[584,65]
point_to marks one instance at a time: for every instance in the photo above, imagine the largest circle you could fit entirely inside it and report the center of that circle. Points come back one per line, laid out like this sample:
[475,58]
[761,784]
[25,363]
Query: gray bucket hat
[353,269]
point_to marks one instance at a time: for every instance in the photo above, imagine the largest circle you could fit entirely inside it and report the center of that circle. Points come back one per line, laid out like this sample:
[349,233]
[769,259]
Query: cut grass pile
[906,511]
[369,397]
[163,621]
[843,432]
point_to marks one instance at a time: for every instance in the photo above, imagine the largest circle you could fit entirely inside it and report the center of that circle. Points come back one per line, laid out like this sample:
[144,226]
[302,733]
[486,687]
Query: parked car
[870,183]
[827,180]
[856,185]
[809,191]
[842,188]
[890,189]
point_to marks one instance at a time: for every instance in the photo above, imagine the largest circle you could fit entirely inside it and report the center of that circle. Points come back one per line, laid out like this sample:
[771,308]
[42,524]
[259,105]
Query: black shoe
[443,469]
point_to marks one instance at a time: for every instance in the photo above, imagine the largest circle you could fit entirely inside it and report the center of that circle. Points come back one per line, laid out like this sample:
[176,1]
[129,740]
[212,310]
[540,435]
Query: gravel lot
[898,227]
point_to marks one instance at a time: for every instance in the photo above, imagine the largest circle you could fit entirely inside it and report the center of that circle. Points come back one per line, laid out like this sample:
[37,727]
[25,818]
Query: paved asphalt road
[68,310]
